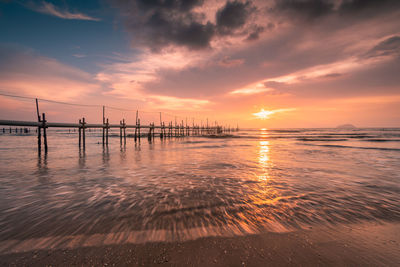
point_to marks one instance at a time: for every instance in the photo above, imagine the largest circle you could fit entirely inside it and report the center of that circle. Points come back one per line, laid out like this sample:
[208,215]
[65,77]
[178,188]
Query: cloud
[233,16]
[229,63]
[160,24]
[388,47]
[252,89]
[355,6]
[257,30]
[128,80]
[380,53]
[176,103]
[79,55]
[315,9]
[50,9]
[309,9]
[265,114]
[333,70]
[23,72]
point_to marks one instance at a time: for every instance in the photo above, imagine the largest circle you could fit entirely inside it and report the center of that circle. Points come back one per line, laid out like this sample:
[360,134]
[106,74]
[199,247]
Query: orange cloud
[46,78]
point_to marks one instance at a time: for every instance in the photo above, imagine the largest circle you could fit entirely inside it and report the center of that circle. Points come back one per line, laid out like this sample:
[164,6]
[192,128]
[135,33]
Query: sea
[183,188]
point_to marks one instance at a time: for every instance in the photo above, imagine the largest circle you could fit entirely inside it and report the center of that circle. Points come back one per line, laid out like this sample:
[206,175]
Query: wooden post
[104,121]
[149,135]
[38,129]
[107,127]
[120,132]
[83,131]
[124,125]
[161,128]
[139,129]
[80,133]
[135,131]
[44,132]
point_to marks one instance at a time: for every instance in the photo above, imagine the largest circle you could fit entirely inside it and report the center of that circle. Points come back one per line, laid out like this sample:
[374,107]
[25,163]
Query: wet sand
[360,244]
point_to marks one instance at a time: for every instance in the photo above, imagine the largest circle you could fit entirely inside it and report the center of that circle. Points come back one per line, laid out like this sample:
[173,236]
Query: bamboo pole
[80,133]
[104,121]
[107,127]
[136,124]
[139,129]
[161,128]
[83,132]
[44,132]
[149,135]
[124,125]
[120,133]
[38,129]
[183,129]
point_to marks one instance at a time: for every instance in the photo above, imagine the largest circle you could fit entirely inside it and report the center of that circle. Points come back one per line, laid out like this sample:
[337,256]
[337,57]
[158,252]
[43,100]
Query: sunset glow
[202,63]
[263,114]
[199,132]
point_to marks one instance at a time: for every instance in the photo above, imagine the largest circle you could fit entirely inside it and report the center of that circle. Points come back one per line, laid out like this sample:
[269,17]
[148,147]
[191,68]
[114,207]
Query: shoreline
[370,244]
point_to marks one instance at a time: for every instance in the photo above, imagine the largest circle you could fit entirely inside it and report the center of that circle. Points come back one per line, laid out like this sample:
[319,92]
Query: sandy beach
[350,245]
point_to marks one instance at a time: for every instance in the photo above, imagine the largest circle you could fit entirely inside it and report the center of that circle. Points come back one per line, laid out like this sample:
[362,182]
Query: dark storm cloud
[183,5]
[307,8]
[161,23]
[233,16]
[388,47]
[313,9]
[257,30]
[361,5]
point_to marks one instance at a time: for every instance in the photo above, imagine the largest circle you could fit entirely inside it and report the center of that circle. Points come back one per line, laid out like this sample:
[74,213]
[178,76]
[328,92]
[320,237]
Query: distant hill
[346,126]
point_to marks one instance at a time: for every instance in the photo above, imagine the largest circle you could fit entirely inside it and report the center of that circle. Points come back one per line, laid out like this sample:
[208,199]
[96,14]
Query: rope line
[189,119]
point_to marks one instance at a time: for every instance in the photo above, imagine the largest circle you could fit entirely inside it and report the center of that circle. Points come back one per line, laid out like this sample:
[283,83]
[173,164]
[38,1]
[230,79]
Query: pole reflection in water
[123,153]
[42,168]
[82,159]
[105,156]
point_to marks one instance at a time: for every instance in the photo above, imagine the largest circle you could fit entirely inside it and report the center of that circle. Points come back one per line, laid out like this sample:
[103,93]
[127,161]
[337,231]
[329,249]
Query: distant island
[346,126]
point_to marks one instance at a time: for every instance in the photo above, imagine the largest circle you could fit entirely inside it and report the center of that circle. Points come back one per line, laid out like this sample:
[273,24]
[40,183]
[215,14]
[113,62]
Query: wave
[321,139]
[222,136]
[357,147]
[381,140]
[288,131]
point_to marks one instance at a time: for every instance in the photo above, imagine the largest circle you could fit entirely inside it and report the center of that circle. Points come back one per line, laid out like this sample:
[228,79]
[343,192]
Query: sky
[299,63]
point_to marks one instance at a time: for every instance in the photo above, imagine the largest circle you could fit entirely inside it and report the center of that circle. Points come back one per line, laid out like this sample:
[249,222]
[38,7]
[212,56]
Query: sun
[264,114]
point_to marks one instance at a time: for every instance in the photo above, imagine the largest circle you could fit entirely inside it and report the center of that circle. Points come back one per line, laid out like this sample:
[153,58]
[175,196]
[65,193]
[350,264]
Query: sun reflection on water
[264,157]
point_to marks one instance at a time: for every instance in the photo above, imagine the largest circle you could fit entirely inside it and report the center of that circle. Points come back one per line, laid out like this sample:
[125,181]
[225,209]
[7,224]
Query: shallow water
[185,188]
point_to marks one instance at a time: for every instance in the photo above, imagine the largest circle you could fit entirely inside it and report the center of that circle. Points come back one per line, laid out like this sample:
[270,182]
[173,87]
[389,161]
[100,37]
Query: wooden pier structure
[163,130]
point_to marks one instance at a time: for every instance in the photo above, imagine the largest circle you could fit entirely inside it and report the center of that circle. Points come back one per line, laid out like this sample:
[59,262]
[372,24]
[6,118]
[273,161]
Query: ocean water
[178,189]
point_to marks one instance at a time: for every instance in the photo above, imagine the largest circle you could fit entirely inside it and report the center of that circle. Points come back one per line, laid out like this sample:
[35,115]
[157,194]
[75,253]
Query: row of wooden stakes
[166,131]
